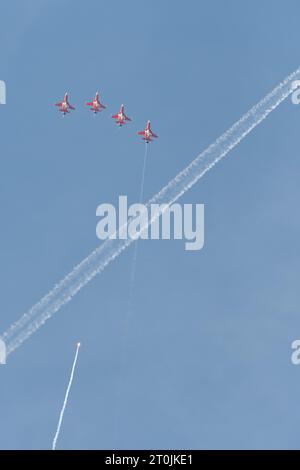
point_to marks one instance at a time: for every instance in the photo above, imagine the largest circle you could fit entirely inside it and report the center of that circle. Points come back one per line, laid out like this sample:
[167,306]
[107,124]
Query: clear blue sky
[207,357]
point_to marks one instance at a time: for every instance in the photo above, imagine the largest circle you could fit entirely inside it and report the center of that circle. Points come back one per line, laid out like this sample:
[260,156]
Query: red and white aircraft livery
[148,133]
[121,117]
[64,106]
[96,106]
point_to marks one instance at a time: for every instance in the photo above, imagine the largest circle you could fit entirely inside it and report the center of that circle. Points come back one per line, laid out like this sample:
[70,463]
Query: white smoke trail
[97,261]
[129,304]
[62,412]
[143,173]
[134,258]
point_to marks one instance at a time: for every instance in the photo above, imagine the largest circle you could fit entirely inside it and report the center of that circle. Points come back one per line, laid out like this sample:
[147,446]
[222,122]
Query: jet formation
[96,107]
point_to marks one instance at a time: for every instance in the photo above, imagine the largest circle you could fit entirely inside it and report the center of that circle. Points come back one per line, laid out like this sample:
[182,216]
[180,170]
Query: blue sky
[206,362]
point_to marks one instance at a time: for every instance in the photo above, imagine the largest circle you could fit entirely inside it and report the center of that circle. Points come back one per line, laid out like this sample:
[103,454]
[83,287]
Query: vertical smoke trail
[143,173]
[134,258]
[61,416]
[129,304]
[108,251]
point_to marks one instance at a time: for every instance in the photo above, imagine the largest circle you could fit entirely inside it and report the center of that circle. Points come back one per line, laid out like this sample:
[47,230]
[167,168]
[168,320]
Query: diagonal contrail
[97,261]
[62,412]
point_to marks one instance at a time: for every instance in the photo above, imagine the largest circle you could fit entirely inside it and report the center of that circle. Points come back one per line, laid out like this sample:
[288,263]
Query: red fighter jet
[96,106]
[148,133]
[121,117]
[64,106]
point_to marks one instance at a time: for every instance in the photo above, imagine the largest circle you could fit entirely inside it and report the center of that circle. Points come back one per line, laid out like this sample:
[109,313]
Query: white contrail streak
[143,173]
[134,258]
[97,261]
[62,412]
[130,299]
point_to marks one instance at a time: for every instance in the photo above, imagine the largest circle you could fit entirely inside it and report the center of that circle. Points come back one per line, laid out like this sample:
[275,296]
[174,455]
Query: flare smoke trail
[61,416]
[97,261]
